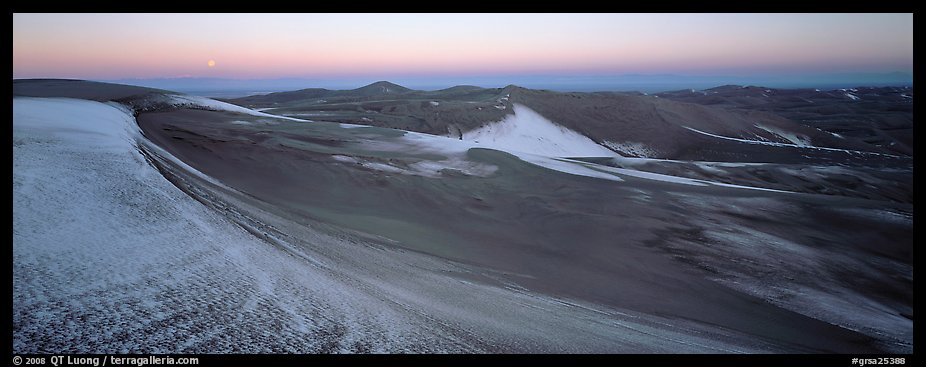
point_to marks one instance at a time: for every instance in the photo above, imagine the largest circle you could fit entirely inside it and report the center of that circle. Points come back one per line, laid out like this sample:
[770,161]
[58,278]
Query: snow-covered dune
[111,257]
[108,256]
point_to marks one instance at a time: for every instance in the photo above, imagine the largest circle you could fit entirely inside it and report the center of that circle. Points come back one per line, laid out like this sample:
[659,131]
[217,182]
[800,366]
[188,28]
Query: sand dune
[368,239]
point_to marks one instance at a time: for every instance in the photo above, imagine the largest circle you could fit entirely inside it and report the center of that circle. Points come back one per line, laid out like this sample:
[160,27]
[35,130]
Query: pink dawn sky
[246,46]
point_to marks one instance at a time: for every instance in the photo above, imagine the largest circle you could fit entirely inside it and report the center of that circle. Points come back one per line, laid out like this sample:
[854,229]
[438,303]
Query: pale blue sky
[109,46]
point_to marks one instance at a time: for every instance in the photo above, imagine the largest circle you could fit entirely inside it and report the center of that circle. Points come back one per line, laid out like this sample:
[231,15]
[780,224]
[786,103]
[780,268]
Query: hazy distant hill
[881,116]
[631,124]
[650,83]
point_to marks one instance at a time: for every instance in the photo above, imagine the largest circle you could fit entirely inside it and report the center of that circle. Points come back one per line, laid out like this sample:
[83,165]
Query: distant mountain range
[630,123]
[650,83]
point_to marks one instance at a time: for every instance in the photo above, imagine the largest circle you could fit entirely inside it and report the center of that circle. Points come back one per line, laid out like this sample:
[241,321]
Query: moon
[211,63]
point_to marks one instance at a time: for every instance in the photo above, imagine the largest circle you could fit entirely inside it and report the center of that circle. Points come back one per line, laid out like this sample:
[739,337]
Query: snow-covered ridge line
[211,104]
[747,141]
[125,135]
[109,126]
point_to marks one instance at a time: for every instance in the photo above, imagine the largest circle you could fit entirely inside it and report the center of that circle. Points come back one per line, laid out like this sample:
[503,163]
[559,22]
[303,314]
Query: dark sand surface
[545,231]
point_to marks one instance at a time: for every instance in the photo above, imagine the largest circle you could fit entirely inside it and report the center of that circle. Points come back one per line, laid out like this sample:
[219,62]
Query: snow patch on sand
[651,176]
[424,168]
[794,138]
[632,148]
[711,168]
[377,166]
[567,166]
[677,179]
[747,141]
[454,149]
[469,168]
[507,139]
[527,131]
